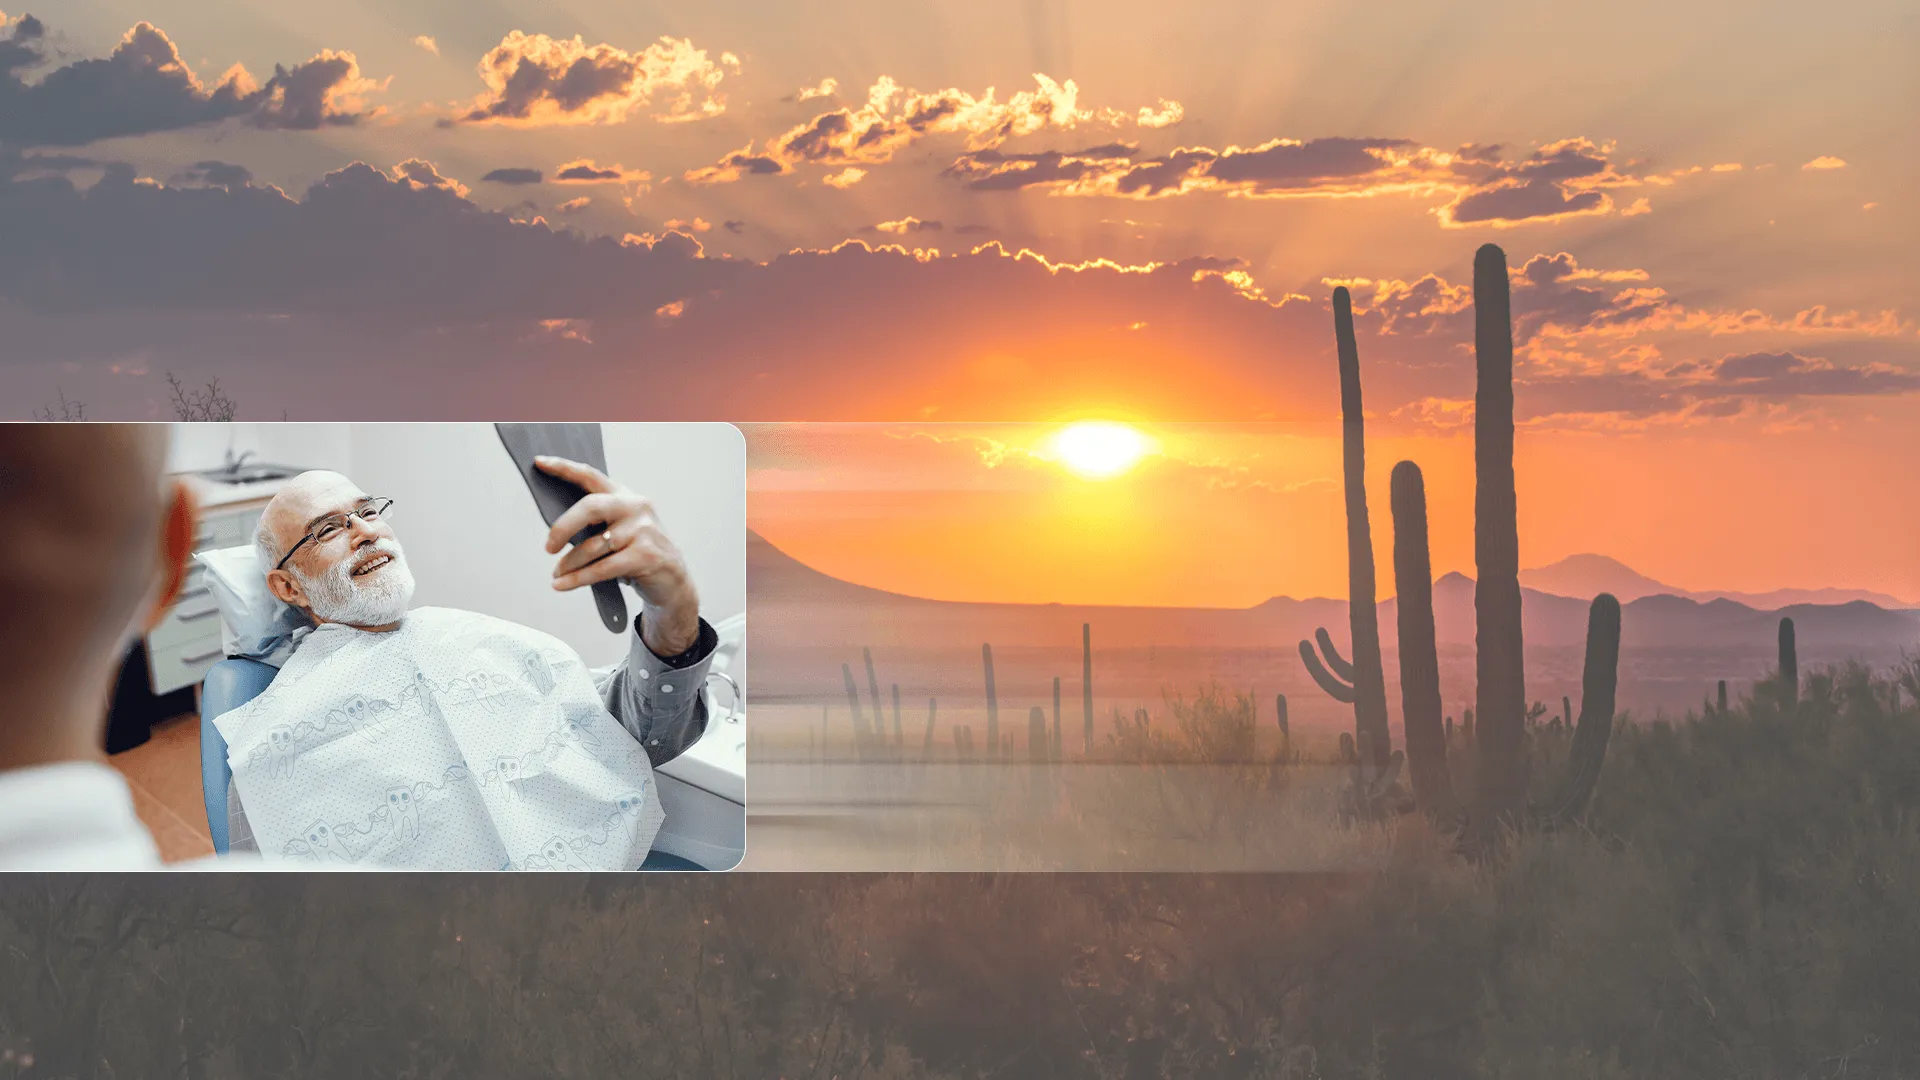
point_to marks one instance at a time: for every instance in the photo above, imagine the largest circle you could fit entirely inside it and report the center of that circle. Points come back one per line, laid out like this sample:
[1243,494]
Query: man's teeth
[373,564]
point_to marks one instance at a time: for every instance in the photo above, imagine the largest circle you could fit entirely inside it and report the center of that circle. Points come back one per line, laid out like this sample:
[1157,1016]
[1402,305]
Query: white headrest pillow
[254,623]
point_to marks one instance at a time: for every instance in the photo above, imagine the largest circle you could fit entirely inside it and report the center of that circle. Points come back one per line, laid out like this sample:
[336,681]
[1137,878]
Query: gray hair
[267,546]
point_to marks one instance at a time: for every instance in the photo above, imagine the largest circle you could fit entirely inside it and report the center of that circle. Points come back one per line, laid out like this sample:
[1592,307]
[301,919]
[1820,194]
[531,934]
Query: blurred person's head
[327,548]
[95,541]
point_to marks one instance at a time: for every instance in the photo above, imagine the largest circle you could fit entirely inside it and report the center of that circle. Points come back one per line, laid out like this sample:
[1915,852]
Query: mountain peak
[1590,575]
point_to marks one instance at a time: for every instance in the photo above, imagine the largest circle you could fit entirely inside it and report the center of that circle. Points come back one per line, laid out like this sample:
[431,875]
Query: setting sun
[1097,450]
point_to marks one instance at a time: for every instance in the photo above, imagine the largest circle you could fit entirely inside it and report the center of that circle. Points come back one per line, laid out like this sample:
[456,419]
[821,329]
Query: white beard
[378,600]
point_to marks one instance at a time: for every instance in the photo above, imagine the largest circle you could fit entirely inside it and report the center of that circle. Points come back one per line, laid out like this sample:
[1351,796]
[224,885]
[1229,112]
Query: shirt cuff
[703,645]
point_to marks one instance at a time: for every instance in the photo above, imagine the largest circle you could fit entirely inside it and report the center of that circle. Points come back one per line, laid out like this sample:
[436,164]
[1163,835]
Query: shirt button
[655,742]
[666,688]
[644,673]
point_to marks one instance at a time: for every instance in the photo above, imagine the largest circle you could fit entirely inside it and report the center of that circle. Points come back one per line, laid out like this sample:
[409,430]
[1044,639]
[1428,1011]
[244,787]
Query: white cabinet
[187,640]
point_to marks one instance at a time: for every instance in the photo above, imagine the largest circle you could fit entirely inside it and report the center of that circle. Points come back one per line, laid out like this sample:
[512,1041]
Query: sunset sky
[994,212]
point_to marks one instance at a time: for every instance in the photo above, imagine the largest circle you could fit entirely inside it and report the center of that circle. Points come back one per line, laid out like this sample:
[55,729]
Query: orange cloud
[573,206]
[534,81]
[1825,162]
[845,178]
[427,43]
[826,88]
[895,117]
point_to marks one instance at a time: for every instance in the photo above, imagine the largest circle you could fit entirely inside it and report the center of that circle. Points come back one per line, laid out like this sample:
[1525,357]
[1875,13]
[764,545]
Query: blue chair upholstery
[232,683]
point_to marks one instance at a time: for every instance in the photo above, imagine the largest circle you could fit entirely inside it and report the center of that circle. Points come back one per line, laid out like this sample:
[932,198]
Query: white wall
[204,446]
[475,539]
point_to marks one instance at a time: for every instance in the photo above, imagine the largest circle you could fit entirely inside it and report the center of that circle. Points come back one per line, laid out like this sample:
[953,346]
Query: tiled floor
[164,773]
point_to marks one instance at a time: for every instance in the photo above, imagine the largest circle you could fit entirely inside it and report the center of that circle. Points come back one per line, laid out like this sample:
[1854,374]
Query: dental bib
[456,742]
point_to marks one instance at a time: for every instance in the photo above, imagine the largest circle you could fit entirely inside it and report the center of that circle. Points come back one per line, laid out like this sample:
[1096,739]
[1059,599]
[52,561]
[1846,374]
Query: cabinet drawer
[193,616]
[225,529]
[182,665]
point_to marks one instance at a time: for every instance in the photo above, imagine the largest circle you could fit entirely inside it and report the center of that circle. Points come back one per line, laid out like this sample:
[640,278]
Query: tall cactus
[1086,685]
[1037,741]
[1368,680]
[993,704]
[926,745]
[879,710]
[1419,655]
[1054,745]
[1500,696]
[853,706]
[899,733]
[1598,684]
[1789,668]
[1721,699]
[1280,714]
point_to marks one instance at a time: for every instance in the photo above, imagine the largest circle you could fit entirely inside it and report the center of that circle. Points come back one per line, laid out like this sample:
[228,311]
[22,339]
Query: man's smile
[379,560]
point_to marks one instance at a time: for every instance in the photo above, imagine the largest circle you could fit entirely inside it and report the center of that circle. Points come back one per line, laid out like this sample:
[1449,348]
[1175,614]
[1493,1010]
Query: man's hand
[633,548]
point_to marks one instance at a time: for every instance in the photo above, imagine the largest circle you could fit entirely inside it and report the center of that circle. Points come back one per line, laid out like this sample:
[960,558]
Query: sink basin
[250,474]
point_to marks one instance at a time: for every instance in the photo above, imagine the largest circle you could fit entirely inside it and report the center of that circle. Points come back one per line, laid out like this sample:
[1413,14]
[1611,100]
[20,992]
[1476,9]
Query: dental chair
[232,683]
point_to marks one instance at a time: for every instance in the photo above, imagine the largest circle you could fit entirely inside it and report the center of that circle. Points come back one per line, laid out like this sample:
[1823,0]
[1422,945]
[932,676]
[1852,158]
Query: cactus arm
[1335,661]
[1337,690]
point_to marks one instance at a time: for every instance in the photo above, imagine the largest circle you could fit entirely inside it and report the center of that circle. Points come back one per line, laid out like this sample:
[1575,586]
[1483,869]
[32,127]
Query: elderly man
[94,546]
[470,739]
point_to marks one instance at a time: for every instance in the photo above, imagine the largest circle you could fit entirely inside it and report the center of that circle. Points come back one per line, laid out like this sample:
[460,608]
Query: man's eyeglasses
[335,525]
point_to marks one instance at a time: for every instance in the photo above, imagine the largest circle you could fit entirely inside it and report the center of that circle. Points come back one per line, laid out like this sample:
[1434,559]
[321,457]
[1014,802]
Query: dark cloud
[733,226]
[405,244]
[1520,200]
[312,95]
[587,174]
[512,176]
[969,230]
[1792,375]
[217,174]
[734,166]
[1558,180]
[143,86]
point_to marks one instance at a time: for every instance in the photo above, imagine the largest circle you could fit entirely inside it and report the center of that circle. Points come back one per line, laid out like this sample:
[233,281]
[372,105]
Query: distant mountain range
[1591,575]
[1554,607]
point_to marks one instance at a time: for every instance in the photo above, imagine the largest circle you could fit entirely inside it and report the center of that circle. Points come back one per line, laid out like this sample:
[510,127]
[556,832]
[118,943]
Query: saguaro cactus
[926,746]
[873,688]
[1086,684]
[1368,680]
[1720,702]
[993,704]
[1037,741]
[1598,683]
[899,733]
[853,706]
[1054,745]
[1566,709]
[1280,714]
[1419,656]
[1789,667]
[1500,697]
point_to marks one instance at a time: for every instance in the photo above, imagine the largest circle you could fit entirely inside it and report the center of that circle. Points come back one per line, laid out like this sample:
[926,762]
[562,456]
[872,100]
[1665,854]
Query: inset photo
[465,647]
